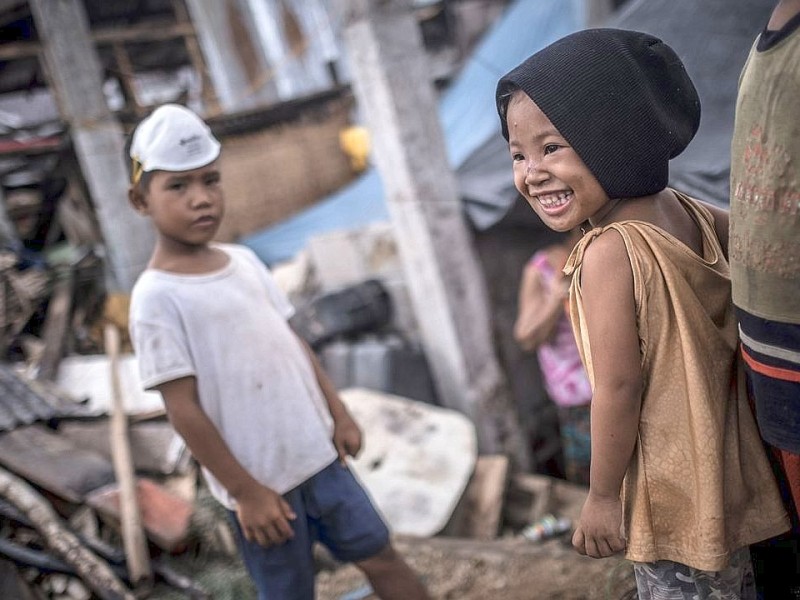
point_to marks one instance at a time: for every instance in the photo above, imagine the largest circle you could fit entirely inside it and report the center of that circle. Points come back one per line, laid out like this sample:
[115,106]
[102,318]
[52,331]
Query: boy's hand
[346,436]
[264,516]
[598,531]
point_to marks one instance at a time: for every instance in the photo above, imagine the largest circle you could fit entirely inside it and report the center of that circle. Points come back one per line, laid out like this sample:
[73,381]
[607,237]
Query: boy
[765,272]
[679,479]
[209,327]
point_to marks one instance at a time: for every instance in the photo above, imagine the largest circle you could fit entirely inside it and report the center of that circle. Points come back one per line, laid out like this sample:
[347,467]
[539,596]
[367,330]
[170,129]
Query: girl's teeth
[553,200]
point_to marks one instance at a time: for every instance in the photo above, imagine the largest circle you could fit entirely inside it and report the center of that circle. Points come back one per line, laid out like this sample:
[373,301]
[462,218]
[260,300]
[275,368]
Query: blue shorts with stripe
[332,508]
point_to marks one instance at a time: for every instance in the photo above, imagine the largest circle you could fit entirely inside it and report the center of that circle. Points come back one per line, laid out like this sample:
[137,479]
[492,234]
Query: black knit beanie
[622,99]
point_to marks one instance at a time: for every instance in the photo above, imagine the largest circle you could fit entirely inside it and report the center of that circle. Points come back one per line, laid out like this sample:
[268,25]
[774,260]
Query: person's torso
[765,183]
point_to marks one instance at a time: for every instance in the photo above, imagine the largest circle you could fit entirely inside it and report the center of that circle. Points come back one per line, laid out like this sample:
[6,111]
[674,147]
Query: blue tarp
[468,117]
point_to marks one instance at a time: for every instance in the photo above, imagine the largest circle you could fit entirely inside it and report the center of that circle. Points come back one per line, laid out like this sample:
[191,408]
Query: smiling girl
[679,479]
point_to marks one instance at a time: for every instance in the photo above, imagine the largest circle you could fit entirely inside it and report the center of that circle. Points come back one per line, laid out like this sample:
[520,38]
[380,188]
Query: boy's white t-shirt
[255,381]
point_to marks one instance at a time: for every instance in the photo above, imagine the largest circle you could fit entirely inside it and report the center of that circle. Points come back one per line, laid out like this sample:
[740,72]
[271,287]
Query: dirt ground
[509,567]
[506,569]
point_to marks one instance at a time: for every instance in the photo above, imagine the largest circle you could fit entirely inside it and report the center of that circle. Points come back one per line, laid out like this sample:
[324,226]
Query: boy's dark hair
[622,99]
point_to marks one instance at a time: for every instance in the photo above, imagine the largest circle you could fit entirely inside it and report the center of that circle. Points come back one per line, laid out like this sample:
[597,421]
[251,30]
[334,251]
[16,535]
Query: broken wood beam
[479,511]
[95,572]
[53,463]
[134,541]
[56,325]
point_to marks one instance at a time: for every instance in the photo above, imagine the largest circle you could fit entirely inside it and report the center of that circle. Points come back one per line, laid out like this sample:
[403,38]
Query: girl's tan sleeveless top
[698,486]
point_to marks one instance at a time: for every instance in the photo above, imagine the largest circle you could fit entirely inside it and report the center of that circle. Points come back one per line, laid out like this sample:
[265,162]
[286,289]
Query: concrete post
[75,78]
[447,287]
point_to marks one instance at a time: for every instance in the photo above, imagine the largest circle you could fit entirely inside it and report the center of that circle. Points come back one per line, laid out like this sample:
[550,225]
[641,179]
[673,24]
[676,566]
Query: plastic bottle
[547,527]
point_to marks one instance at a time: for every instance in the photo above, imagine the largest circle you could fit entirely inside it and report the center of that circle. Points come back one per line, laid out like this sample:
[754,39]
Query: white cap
[172,138]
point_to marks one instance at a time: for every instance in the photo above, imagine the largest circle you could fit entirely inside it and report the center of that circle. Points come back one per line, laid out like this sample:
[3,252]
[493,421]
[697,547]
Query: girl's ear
[137,199]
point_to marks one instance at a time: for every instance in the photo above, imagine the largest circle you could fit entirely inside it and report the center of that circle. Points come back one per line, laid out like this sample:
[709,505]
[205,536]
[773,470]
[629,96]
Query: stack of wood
[93,505]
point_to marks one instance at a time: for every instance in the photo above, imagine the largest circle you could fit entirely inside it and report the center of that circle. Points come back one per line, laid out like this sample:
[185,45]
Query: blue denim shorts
[332,508]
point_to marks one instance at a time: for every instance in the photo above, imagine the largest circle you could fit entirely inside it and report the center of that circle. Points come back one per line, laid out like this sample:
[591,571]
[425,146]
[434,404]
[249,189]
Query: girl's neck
[602,216]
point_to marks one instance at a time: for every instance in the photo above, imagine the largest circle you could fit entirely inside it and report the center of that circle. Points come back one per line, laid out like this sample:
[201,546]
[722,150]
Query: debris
[88,376]
[479,512]
[54,332]
[416,459]
[365,306]
[165,516]
[12,585]
[155,447]
[360,593]
[53,463]
[93,570]
[549,526]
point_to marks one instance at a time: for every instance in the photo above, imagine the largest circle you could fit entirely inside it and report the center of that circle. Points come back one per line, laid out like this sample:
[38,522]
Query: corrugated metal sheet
[21,405]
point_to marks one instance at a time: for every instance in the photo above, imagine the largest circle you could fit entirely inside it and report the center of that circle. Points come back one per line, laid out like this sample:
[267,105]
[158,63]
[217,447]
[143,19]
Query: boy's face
[547,171]
[186,206]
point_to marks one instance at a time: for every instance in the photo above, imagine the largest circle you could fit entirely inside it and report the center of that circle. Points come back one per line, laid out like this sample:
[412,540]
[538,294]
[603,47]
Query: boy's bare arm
[607,290]
[538,311]
[263,514]
[346,433]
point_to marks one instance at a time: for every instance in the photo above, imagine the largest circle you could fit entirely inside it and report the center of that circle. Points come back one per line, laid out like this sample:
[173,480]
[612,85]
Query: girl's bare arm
[608,299]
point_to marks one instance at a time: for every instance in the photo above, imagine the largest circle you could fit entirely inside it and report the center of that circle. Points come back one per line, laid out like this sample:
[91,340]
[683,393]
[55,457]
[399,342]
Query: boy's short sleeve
[275,293]
[161,353]
[159,342]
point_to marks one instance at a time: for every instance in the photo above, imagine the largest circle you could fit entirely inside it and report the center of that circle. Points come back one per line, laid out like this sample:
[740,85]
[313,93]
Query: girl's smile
[547,171]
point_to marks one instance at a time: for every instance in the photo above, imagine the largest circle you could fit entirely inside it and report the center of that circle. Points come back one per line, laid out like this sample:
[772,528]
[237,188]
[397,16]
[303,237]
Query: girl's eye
[516,157]
[550,148]
[177,185]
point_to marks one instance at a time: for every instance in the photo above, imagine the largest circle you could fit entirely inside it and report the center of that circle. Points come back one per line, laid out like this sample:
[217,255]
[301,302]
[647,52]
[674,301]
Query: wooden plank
[531,496]
[165,516]
[56,324]
[155,446]
[207,91]
[126,78]
[93,570]
[480,509]
[146,32]
[149,32]
[53,463]
[133,539]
